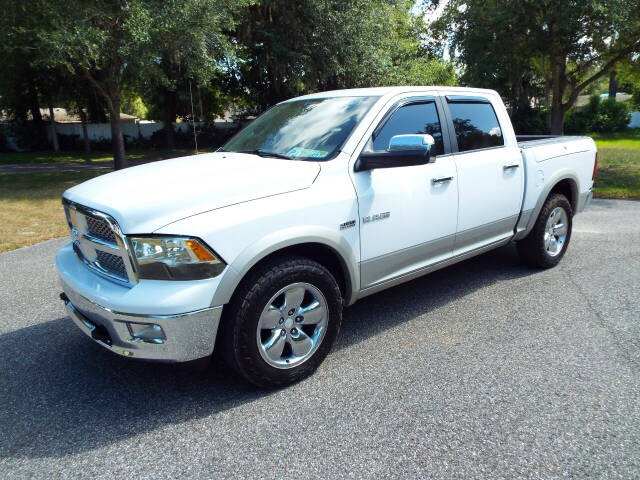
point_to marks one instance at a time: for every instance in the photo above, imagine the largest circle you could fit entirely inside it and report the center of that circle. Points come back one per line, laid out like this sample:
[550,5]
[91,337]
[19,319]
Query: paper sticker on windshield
[306,152]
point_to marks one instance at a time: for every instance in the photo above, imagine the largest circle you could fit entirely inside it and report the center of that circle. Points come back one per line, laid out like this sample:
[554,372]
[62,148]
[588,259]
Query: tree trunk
[111,94]
[170,108]
[613,84]
[117,140]
[95,107]
[556,119]
[202,119]
[54,134]
[35,104]
[85,134]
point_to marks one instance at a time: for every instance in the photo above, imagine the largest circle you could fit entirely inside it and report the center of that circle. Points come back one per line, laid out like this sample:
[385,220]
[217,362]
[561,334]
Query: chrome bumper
[169,338]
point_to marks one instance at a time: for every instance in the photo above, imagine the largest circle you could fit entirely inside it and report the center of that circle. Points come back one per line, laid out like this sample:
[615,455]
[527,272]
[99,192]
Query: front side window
[476,125]
[415,118]
[311,129]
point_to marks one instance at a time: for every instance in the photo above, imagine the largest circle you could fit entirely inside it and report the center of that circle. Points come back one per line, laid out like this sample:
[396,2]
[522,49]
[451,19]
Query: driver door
[408,215]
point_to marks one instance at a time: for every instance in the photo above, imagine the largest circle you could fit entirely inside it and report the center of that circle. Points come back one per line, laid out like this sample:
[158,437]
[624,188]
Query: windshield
[312,129]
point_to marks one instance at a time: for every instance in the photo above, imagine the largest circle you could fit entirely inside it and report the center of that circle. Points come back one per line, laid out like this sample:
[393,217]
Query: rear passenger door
[490,171]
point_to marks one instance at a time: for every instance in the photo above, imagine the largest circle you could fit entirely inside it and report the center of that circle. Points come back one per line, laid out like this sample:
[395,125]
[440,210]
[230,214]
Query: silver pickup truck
[254,250]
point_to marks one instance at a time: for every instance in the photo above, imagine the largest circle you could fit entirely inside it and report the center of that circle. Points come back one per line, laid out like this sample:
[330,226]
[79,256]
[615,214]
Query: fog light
[146,333]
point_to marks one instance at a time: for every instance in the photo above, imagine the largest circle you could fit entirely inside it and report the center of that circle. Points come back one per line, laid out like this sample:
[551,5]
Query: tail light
[595,167]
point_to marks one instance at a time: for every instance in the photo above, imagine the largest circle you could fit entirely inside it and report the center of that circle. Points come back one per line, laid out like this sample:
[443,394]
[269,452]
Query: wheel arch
[569,188]
[563,182]
[329,249]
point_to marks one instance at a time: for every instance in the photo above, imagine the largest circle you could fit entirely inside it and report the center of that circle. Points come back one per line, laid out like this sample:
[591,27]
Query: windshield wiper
[264,153]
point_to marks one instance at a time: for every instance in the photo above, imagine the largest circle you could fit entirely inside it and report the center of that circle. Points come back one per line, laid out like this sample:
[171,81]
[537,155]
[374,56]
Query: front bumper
[184,337]
[179,314]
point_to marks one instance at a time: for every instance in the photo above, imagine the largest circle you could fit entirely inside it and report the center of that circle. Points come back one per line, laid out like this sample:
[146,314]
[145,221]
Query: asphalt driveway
[485,369]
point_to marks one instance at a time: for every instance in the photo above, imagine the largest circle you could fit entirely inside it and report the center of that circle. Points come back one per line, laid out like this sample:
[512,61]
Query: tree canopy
[253,53]
[289,47]
[540,49]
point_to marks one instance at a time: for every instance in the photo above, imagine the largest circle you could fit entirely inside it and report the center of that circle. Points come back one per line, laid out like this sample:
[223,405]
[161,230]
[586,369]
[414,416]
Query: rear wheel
[282,322]
[549,239]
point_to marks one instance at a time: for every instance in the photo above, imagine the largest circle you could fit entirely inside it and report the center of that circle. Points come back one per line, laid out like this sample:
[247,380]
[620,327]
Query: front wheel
[549,239]
[282,322]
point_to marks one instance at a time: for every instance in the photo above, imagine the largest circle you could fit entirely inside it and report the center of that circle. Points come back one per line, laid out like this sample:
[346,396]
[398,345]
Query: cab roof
[384,91]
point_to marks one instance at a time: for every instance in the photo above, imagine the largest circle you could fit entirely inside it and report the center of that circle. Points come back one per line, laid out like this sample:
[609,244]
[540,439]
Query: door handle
[437,181]
[510,166]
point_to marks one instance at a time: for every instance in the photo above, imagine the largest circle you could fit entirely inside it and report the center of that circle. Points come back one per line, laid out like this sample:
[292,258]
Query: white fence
[102,131]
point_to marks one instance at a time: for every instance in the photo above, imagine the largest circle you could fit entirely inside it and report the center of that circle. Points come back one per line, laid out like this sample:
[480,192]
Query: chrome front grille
[100,229]
[111,263]
[99,243]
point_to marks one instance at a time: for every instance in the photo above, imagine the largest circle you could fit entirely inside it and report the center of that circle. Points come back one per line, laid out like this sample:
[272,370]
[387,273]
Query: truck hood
[145,198]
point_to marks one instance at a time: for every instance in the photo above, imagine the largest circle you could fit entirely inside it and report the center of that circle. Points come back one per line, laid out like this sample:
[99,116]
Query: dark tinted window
[417,118]
[476,126]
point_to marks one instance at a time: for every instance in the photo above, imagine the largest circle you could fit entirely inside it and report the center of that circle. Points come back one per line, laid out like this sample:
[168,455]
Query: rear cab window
[475,123]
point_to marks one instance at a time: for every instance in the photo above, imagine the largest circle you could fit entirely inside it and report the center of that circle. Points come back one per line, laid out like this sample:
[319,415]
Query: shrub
[209,136]
[530,121]
[635,97]
[69,142]
[29,135]
[598,116]
[157,138]
[213,137]
[613,116]
[137,142]
[4,142]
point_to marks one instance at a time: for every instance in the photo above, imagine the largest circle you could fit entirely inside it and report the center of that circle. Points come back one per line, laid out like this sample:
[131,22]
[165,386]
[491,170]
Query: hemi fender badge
[349,224]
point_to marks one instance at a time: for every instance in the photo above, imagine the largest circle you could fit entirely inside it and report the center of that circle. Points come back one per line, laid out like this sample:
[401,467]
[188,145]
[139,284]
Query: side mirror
[411,142]
[403,151]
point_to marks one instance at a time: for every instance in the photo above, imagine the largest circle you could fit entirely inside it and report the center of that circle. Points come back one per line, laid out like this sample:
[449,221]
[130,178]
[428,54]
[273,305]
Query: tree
[189,37]
[113,43]
[569,44]
[491,41]
[411,62]
[20,92]
[629,79]
[584,41]
[290,47]
[106,42]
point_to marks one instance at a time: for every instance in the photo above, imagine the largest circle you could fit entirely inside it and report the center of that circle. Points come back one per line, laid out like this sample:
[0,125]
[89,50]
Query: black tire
[532,248]
[241,316]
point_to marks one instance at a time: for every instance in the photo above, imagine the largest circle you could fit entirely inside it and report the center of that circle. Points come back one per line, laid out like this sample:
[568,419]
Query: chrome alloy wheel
[556,231]
[292,325]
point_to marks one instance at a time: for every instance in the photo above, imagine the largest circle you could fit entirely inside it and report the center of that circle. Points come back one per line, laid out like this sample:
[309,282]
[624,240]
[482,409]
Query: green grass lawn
[618,165]
[627,140]
[73,157]
[30,208]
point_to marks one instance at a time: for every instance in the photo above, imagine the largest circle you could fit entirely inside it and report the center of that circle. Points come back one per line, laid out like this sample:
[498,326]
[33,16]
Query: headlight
[175,258]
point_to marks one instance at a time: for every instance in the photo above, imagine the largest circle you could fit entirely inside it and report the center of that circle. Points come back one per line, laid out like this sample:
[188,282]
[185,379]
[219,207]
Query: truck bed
[528,141]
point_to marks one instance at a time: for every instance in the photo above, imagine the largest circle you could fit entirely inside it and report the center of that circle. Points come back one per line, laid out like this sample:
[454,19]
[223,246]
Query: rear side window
[476,125]
[415,118]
